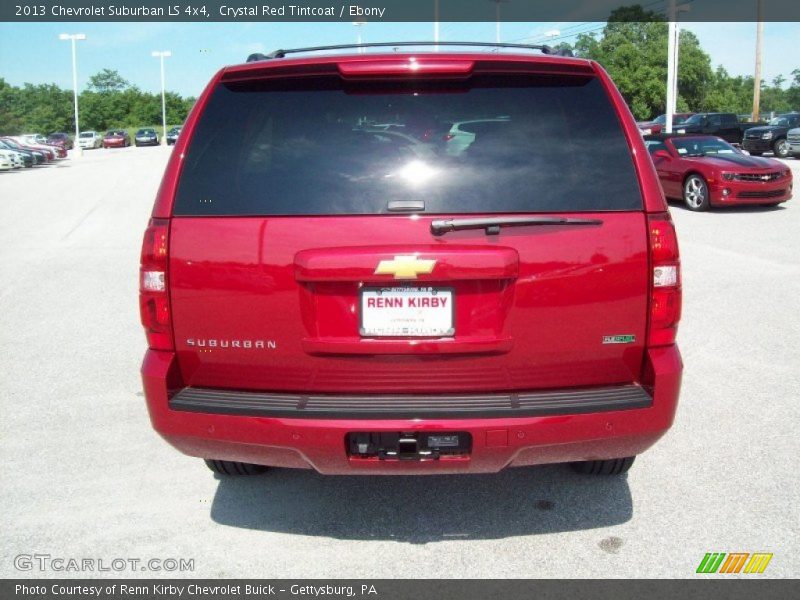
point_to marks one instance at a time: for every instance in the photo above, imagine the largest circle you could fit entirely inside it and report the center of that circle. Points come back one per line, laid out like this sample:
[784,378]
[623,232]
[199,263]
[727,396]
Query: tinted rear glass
[533,143]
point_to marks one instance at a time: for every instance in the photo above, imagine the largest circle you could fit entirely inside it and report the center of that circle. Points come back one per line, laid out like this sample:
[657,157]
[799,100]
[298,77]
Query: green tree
[10,115]
[107,81]
[109,101]
[793,93]
[633,49]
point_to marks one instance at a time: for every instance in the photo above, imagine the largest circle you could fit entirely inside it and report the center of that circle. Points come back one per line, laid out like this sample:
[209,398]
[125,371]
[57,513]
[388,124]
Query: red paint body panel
[319,444]
[538,325]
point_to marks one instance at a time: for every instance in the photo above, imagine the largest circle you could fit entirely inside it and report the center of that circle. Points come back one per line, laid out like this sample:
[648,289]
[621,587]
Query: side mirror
[661,155]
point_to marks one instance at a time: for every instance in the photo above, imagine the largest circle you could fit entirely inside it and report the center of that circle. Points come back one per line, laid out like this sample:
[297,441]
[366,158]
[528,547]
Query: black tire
[695,193]
[229,467]
[615,466]
[781,148]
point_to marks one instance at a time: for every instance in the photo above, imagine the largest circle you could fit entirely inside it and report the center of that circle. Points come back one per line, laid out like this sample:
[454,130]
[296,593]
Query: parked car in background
[60,139]
[172,135]
[116,138]
[460,135]
[793,142]
[49,152]
[146,137]
[53,151]
[657,125]
[384,139]
[27,158]
[363,309]
[8,161]
[30,157]
[771,137]
[34,138]
[724,125]
[89,140]
[706,171]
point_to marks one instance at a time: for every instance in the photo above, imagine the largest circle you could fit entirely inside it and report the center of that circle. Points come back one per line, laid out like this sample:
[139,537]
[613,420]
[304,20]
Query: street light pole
[73,38]
[162,55]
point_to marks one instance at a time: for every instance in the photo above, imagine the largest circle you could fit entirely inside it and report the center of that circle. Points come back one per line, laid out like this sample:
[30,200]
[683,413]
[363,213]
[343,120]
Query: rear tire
[615,466]
[695,193]
[229,467]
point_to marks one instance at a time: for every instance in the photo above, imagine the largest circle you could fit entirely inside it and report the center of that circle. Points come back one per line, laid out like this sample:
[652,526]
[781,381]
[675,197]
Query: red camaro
[705,171]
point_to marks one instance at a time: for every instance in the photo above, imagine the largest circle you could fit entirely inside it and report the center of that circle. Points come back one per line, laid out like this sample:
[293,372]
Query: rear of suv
[318,294]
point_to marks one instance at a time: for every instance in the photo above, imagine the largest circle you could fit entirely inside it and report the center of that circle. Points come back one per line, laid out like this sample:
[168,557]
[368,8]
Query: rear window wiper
[492,225]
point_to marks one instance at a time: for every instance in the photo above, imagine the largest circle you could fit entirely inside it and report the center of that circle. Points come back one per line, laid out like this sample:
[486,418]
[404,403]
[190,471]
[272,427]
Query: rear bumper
[534,431]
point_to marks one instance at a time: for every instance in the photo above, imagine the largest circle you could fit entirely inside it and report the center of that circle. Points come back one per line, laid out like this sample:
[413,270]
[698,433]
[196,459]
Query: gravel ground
[85,475]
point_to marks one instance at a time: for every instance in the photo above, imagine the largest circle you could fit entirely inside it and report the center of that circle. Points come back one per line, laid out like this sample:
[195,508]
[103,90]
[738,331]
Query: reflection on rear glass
[505,144]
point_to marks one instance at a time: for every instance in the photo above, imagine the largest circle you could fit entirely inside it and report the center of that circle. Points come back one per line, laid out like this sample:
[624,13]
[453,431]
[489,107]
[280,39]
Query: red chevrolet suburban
[325,284]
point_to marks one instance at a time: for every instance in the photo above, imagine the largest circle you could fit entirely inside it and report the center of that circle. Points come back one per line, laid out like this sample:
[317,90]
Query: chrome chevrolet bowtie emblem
[405,267]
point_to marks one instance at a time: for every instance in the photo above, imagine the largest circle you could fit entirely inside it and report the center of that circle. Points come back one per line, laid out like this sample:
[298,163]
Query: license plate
[681,131]
[407,312]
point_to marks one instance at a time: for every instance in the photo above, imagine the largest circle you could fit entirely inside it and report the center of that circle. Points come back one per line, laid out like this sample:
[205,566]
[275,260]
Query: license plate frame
[368,330]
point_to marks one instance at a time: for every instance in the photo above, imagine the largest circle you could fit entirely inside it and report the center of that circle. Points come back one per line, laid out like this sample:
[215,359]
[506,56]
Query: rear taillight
[447,137]
[665,286]
[153,290]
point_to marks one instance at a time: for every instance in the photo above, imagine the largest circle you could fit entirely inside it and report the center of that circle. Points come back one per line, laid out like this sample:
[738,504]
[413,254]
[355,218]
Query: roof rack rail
[282,53]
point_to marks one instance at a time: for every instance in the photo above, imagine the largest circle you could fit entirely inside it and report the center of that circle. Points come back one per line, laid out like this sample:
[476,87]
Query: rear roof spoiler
[282,53]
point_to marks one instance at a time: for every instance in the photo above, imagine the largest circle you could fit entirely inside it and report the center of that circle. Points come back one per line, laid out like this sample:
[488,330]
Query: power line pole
[757,77]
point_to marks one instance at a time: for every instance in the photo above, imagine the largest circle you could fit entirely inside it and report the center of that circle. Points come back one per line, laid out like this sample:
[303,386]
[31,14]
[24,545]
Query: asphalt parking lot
[85,476]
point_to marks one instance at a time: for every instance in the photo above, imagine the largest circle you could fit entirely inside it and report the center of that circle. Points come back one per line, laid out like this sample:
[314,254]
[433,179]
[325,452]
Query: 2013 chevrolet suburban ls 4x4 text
[326,285]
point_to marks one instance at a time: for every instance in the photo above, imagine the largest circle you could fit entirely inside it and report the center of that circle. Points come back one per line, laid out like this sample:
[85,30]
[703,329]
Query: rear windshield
[498,144]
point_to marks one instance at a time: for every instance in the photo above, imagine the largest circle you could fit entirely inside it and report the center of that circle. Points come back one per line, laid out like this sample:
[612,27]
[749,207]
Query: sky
[32,52]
